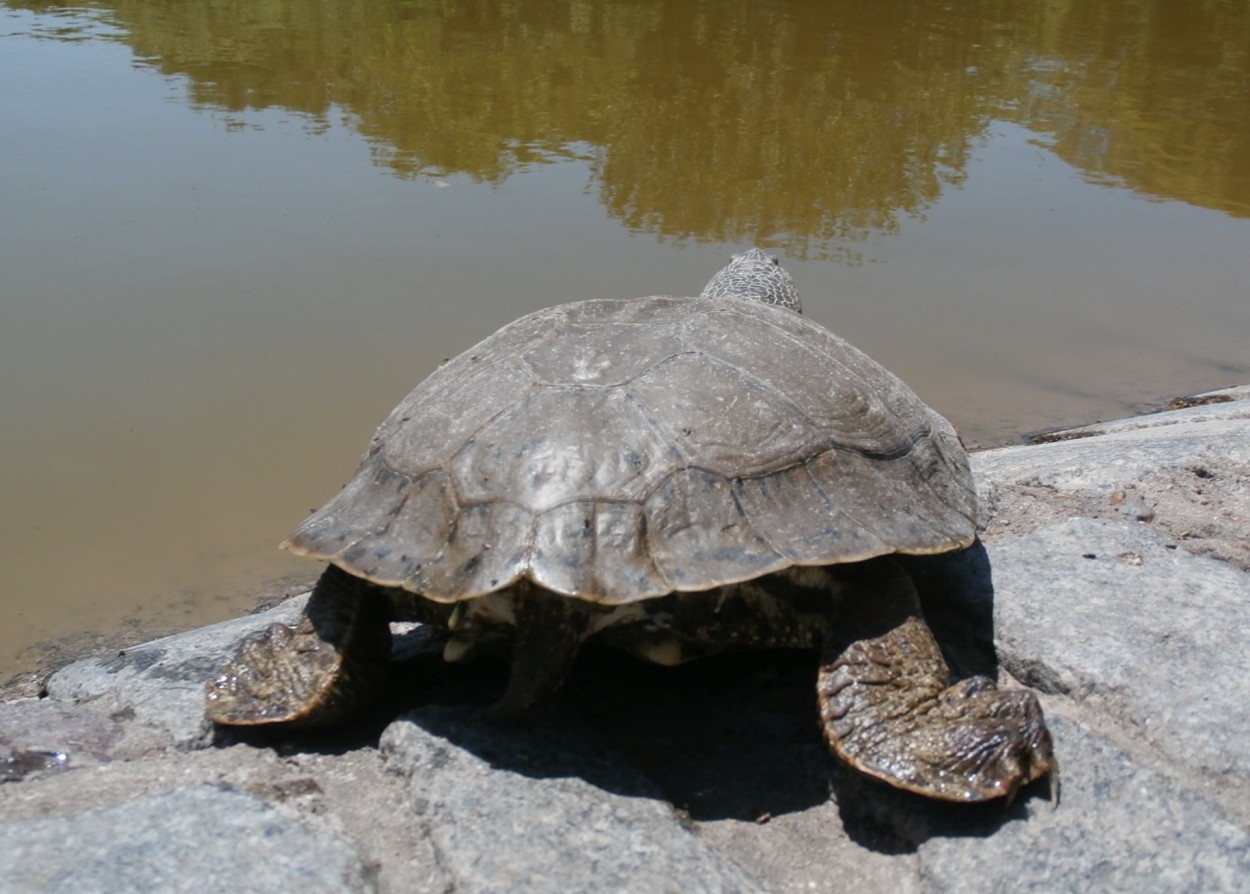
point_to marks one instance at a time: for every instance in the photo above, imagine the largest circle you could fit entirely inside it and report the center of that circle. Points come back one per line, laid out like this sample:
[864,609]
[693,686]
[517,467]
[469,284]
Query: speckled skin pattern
[757,275]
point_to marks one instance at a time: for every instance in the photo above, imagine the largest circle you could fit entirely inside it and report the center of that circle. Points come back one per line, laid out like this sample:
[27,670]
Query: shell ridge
[669,434]
[928,434]
[844,371]
[873,529]
[847,371]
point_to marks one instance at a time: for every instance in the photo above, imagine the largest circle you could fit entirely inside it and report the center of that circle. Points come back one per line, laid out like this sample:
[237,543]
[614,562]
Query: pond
[235,234]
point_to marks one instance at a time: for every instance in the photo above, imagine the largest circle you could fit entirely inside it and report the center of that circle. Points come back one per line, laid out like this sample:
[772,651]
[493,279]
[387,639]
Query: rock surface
[177,840]
[1113,576]
[539,811]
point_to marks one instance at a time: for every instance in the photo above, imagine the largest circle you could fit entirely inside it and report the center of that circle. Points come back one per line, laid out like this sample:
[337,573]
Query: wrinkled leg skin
[887,710]
[300,675]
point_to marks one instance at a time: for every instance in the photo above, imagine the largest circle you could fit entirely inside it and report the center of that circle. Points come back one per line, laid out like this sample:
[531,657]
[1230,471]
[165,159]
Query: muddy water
[232,235]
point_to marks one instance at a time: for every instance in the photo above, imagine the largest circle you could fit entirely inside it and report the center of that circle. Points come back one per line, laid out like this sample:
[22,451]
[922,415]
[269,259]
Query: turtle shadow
[729,737]
[726,737]
[736,736]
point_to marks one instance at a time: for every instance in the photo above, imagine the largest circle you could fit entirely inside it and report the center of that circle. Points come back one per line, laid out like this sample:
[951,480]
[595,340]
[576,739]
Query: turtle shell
[618,450]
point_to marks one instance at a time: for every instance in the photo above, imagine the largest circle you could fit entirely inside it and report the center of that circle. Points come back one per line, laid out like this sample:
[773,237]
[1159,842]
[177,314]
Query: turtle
[675,477]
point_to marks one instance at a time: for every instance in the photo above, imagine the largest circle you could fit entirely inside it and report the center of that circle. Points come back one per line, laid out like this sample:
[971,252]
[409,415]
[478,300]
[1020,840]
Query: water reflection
[1150,96]
[803,126]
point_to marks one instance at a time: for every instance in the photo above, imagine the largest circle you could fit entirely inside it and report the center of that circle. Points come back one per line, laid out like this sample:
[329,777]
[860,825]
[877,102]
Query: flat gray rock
[44,735]
[515,810]
[1120,828]
[196,838]
[1111,614]
[1186,473]
[1112,454]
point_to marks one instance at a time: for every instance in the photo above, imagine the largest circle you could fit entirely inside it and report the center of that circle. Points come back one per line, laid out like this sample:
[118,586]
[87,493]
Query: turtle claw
[1052,782]
[280,676]
[970,743]
[887,711]
[312,674]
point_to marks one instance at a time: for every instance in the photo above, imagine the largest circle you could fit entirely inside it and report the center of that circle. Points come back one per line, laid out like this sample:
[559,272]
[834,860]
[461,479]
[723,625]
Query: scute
[488,549]
[379,510]
[600,354]
[618,450]
[900,502]
[699,535]
[802,520]
[730,422]
[596,549]
[561,443]
[833,384]
[416,436]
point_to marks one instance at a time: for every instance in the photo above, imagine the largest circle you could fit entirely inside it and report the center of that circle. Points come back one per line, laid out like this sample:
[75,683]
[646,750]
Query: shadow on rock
[957,596]
[891,821]
[730,737]
[727,737]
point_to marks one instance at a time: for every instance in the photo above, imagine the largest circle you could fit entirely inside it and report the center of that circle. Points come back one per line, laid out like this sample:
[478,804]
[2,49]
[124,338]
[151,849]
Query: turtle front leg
[327,666]
[887,710]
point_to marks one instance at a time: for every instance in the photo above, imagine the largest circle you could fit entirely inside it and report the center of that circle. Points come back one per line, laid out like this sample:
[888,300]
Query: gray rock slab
[1236,392]
[1119,828]
[1111,614]
[158,687]
[43,735]
[195,838]
[1186,477]
[513,810]
[1118,453]
[344,793]
[1227,405]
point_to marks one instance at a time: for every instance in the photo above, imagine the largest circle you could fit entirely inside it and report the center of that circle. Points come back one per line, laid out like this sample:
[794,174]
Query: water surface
[234,234]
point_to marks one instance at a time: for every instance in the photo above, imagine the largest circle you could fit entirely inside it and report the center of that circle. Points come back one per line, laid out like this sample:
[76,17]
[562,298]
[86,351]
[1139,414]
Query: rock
[1187,472]
[196,838]
[517,810]
[1133,614]
[1106,614]
[1120,828]
[43,735]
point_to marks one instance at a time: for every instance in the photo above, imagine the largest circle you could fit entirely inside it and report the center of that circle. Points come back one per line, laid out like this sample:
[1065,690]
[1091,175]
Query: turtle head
[757,275]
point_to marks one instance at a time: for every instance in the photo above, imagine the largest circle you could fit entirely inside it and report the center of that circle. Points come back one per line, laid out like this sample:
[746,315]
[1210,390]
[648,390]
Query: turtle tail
[549,631]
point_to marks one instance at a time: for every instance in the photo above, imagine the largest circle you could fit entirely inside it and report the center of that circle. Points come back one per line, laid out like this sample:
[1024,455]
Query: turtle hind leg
[887,710]
[549,631]
[314,674]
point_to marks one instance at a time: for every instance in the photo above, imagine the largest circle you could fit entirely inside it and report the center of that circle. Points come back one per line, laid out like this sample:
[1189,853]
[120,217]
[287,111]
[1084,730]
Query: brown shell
[623,449]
